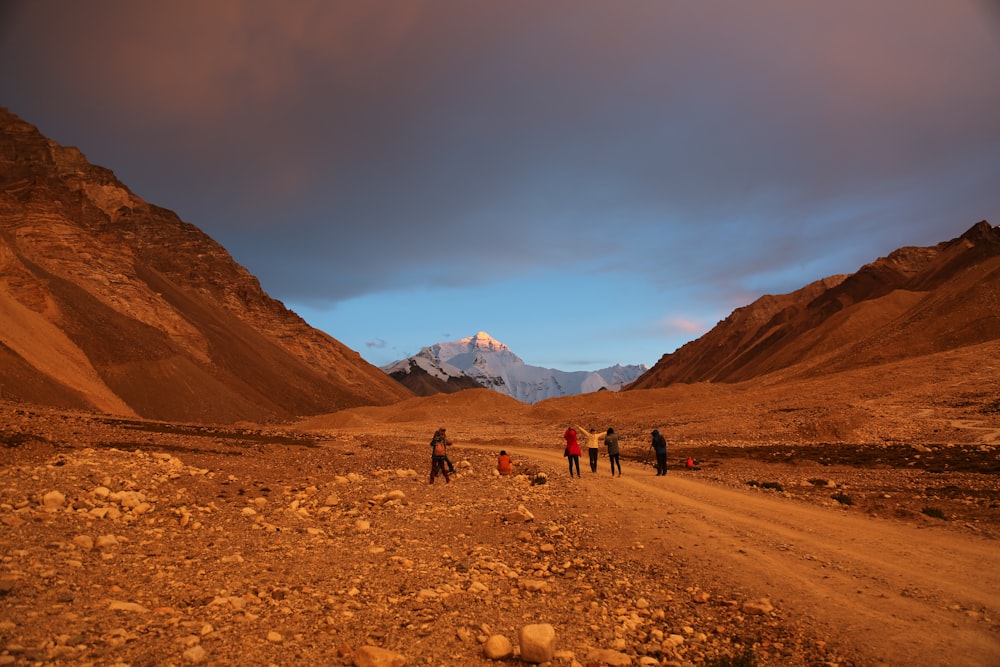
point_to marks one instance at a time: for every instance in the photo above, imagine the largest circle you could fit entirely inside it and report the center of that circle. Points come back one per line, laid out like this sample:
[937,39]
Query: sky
[590,182]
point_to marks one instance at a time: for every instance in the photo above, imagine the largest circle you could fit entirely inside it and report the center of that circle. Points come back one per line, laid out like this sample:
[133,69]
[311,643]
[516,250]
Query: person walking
[439,455]
[593,443]
[572,451]
[447,445]
[611,441]
[659,445]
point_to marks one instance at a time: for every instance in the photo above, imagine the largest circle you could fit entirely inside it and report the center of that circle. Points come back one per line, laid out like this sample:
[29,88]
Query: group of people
[441,464]
[593,438]
[573,452]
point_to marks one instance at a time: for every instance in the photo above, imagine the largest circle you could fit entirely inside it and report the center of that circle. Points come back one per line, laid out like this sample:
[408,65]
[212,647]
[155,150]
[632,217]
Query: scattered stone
[53,501]
[106,541]
[373,656]
[521,515]
[498,647]
[196,654]
[85,542]
[609,658]
[127,606]
[758,607]
[538,643]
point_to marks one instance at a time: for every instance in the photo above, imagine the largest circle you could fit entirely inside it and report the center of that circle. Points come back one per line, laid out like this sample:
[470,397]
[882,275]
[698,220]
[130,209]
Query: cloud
[343,150]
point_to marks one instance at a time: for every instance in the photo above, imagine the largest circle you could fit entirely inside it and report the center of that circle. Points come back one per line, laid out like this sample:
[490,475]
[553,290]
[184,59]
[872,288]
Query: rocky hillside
[113,304]
[915,302]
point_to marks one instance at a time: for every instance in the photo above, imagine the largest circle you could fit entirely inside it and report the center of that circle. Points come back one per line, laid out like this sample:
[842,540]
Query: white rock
[106,541]
[85,542]
[195,654]
[53,501]
[538,643]
[535,585]
[521,514]
[760,607]
[609,657]
[127,606]
[373,656]
[497,647]
[141,508]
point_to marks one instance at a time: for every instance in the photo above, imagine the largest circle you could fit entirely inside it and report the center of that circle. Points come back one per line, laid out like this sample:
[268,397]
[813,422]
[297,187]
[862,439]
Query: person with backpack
[659,445]
[614,453]
[439,456]
[572,451]
[593,444]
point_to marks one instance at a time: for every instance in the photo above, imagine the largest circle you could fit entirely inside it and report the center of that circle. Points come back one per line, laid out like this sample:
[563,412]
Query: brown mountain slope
[110,303]
[422,383]
[914,302]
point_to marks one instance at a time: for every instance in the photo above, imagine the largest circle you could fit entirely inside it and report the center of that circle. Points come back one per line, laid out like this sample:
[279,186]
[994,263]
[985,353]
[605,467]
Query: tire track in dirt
[898,593]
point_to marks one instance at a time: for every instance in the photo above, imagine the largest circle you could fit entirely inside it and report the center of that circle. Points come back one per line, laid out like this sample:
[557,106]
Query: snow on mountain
[494,366]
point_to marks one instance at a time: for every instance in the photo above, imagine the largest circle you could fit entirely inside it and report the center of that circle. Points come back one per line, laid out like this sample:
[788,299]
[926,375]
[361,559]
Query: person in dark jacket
[614,453]
[659,446]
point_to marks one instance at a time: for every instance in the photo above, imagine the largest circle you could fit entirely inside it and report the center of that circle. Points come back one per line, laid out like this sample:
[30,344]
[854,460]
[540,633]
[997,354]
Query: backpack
[439,447]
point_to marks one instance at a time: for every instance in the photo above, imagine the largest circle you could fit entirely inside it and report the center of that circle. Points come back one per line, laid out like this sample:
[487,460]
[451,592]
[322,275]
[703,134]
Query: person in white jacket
[593,444]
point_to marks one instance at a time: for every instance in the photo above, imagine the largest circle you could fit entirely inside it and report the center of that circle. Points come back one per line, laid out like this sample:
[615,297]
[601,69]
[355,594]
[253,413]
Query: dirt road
[900,594]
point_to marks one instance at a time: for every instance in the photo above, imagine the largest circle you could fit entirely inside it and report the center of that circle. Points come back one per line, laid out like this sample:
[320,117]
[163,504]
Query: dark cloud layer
[341,149]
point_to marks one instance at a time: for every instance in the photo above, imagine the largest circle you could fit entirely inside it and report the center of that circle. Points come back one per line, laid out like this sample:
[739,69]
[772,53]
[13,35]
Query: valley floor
[135,543]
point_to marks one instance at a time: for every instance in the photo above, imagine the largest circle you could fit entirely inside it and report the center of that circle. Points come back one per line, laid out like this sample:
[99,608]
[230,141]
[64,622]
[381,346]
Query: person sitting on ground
[504,464]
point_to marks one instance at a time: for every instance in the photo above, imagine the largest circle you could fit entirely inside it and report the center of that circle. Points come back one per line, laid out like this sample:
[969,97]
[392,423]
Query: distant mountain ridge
[483,361]
[109,303]
[916,301]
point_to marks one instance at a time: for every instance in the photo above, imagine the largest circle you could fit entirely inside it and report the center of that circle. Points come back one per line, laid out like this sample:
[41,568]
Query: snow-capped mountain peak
[483,340]
[493,365]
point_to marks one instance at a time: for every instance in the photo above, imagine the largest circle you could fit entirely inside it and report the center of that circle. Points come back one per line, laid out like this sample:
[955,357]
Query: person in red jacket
[572,450]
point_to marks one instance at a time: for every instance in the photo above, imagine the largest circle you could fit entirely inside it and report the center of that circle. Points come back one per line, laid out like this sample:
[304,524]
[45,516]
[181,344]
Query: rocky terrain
[128,542]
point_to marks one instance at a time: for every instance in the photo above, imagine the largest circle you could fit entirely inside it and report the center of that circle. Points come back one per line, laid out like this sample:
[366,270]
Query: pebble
[373,656]
[498,647]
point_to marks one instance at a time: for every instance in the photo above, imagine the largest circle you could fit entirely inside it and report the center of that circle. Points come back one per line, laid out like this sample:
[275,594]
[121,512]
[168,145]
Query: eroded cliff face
[914,302]
[111,303]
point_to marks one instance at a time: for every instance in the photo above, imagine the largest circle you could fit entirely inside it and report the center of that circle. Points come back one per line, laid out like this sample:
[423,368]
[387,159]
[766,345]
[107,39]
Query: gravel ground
[136,543]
